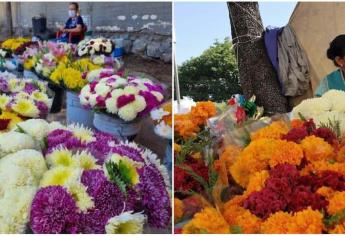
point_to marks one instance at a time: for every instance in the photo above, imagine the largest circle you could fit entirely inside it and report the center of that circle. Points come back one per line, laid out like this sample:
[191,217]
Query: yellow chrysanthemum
[81,197]
[60,175]
[85,160]
[84,134]
[208,221]
[85,65]
[39,96]
[273,131]
[14,119]
[26,108]
[29,63]
[316,149]
[126,223]
[60,157]
[13,43]
[73,79]
[4,100]
[58,74]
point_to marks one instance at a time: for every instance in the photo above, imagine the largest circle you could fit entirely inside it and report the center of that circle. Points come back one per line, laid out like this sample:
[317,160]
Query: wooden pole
[9,19]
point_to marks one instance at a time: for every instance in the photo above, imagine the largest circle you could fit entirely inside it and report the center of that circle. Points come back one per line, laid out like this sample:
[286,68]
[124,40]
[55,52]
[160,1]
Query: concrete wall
[115,16]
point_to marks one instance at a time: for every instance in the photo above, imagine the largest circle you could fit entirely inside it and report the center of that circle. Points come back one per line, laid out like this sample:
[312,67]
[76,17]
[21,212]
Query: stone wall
[146,27]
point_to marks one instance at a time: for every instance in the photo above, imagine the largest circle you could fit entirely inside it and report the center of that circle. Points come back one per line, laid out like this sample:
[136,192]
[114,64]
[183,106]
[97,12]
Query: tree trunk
[9,19]
[257,76]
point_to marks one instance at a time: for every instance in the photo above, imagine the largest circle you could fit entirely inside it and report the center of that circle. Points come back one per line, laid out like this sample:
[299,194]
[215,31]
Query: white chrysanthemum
[86,161]
[139,104]
[55,125]
[331,116]
[12,177]
[117,83]
[15,209]
[93,100]
[184,107]
[60,157]
[127,113]
[158,95]
[117,93]
[84,95]
[102,89]
[163,130]
[111,106]
[157,114]
[131,90]
[312,107]
[61,176]
[37,128]
[11,142]
[26,107]
[93,75]
[39,96]
[81,197]
[336,98]
[28,159]
[126,223]
[4,100]
[84,134]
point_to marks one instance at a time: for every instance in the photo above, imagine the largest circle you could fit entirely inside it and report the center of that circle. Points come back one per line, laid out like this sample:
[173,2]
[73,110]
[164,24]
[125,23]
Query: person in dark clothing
[74,23]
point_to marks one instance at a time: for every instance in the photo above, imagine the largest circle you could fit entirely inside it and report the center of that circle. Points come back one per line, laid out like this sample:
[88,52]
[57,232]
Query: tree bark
[9,19]
[257,76]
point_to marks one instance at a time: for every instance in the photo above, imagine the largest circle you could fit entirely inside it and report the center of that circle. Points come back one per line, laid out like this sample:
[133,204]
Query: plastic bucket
[29,74]
[76,113]
[116,126]
[118,51]
[168,158]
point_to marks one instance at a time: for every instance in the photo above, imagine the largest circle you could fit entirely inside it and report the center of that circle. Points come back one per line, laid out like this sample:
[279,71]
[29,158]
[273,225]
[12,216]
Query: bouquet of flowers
[13,44]
[95,46]
[289,179]
[25,97]
[162,117]
[127,98]
[88,182]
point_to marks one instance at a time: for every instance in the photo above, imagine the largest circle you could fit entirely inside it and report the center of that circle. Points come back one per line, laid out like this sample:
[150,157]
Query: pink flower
[123,100]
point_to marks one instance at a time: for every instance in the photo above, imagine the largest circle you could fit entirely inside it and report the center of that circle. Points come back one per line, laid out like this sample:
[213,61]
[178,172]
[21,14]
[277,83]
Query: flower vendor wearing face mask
[74,23]
[335,80]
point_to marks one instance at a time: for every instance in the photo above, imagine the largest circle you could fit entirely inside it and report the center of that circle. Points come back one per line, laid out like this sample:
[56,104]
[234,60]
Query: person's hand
[62,29]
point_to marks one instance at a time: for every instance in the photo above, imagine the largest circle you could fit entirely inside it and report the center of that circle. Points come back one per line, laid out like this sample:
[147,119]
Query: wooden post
[9,19]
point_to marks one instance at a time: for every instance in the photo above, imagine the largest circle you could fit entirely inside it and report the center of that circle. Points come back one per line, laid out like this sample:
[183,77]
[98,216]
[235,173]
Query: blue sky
[198,25]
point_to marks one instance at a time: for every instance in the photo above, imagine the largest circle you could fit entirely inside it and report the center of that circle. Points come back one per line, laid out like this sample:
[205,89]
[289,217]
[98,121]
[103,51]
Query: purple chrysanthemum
[30,88]
[128,151]
[93,222]
[155,198]
[4,85]
[92,179]
[53,211]
[58,137]
[151,102]
[152,87]
[123,100]
[99,150]
[43,108]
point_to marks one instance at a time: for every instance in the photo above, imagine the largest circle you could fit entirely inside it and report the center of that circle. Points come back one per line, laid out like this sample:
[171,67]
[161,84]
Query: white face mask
[71,13]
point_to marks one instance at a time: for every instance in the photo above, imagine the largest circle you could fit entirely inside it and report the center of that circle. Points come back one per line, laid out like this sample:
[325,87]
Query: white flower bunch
[95,46]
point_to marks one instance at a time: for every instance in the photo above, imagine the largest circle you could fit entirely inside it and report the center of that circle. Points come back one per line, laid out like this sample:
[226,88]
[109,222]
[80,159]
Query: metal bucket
[116,126]
[76,113]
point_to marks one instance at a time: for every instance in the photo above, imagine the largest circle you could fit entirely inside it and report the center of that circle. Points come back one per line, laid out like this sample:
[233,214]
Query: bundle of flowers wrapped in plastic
[25,97]
[162,117]
[95,46]
[322,109]
[289,179]
[88,182]
[13,44]
[127,98]
[50,55]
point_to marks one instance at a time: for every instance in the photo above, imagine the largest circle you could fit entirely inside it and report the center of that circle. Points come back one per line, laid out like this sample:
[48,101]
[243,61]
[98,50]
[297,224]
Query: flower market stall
[84,174]
[275,175]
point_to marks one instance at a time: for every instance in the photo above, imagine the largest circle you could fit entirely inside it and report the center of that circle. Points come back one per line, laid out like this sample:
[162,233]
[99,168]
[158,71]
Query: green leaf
[335,219]
[115,176]
[333,125]
[20,129]
[301,116]
[236,229]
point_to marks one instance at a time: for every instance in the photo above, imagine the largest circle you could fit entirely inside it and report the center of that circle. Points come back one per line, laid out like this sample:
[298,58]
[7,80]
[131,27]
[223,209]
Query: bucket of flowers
[120,103]
[58,179]
[97,46]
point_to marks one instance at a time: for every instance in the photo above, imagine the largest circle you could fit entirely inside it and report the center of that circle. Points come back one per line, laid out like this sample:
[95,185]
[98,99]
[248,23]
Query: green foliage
[211,76]
[119,174]
[334,219]
[333,125]
[236,230]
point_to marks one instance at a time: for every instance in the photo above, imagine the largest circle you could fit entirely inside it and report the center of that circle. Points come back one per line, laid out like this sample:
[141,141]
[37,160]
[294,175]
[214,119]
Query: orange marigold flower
[273,131]
[257,157]
[230,154]
[276,223]
[297,123]
[209,221]
[340,157]
[202,111]
[289,152]
[257,181]
[184,126]
[327,192]
[307,221]
[236,215]
[336,203]
[177,148]
[316,149]
[338,229]
[316,167]
[178,209]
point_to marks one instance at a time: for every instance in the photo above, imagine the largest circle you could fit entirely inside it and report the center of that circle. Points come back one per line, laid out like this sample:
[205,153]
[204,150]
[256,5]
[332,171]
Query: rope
[252,16]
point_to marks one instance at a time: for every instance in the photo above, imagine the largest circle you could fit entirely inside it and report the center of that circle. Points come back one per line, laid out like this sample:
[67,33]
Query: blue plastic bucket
[76,113]
[168,158]
[118,51]
[116,126]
